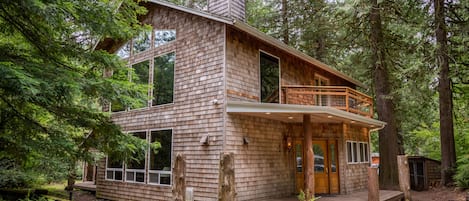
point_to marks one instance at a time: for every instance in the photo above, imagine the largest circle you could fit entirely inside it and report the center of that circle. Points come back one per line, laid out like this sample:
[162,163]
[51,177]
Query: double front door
[326,170]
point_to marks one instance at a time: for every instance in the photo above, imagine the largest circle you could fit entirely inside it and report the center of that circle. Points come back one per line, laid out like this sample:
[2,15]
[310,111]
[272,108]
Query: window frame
[171,161]
[356,156]
[154,37]
[152,51]
[279,75]
[135,171]
[319,98]
[114,171]
[149,84]
[152,79]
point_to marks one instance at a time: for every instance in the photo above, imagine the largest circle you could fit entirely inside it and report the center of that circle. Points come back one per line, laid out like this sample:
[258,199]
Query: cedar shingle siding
[217,61]
[198,80]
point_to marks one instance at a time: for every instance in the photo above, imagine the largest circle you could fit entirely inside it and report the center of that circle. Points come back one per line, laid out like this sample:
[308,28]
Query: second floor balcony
[343,98]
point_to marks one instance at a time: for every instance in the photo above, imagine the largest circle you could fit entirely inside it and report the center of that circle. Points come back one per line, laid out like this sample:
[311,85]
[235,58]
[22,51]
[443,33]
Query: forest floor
[440,194]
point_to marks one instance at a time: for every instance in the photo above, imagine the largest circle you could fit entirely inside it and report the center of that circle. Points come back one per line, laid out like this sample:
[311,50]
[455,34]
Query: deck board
[384,195]
[87,186]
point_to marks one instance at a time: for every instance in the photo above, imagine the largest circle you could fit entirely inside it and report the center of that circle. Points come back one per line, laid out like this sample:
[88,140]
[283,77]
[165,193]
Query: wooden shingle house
[217,85]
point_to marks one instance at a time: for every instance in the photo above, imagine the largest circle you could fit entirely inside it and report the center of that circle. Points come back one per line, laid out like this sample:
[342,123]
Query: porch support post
[309,156]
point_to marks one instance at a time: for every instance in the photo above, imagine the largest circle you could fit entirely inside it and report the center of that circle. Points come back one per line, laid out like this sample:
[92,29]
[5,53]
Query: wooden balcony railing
[343,98]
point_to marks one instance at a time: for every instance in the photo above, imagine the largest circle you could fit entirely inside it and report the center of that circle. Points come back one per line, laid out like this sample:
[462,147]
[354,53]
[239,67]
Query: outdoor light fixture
[289,143]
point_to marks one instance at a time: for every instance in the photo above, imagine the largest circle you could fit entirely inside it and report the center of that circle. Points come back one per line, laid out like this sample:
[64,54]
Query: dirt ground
[83,196]
[440,194]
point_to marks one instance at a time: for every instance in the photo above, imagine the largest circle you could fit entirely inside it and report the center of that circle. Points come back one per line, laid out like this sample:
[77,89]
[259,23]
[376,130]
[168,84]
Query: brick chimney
[234,9]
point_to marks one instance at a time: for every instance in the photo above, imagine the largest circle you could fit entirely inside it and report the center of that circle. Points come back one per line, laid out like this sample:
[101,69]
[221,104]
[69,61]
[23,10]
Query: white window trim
[279,75]
[135,171]
[160,171]
[113,172]
[360,158]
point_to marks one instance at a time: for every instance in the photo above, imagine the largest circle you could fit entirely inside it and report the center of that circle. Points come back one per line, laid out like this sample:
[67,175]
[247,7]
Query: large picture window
[135,170]
[163,79]
[152,168]
[162,68]
[357,152]
[117,106]
[160,163]
[140,75]
[270,78]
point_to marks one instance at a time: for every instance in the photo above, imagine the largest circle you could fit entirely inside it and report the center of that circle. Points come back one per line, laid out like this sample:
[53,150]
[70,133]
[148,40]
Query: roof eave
[195,12]
[251,107]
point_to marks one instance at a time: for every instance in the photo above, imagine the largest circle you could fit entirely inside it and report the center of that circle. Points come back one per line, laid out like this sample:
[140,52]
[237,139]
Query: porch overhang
[289,113]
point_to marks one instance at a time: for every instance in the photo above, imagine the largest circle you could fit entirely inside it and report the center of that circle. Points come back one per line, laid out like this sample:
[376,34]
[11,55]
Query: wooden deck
[357,196]
[86,186]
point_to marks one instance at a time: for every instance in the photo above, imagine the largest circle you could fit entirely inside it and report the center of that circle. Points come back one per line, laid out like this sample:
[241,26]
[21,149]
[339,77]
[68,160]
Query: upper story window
[163,79]
[141,75]
[144,42]
[270,78]
[119,75]
[164,36]
[161,84]
[322,100]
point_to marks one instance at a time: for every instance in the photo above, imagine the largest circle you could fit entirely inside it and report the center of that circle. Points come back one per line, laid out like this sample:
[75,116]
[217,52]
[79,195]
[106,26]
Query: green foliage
[428,138]
[462,176]
[52,84]
[302,196]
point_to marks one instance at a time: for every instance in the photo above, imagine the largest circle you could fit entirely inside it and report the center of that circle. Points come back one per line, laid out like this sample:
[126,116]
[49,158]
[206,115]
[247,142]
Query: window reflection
[270,81]
[142,42]
[163,79]
[164,36]
[318,158]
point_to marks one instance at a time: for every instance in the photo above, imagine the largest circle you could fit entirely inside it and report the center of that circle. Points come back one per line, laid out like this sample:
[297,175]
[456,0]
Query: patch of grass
[56,189]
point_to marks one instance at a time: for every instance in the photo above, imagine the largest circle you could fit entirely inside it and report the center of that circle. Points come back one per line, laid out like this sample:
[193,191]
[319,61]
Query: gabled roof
[262,36]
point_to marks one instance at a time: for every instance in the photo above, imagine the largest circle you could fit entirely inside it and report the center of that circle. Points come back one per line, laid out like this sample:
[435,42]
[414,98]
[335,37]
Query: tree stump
[373,184]
[404,176]
[226,185]
[179,178]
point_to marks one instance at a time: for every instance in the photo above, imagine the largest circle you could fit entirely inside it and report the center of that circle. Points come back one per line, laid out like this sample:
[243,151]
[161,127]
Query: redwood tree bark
[448,153]
[285,26]
[388,137]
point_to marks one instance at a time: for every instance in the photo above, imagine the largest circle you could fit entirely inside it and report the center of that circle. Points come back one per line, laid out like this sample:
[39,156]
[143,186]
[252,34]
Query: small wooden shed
[424,172]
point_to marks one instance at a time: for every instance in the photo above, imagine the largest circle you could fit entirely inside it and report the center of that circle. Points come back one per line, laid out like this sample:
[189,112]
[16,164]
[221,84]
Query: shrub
[462,173]
[10,178]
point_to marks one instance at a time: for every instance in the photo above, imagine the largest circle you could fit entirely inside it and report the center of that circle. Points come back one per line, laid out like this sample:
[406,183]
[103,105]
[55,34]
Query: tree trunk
[309,157]
[448,154]
[285,27]
[388,140]
[71,175]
